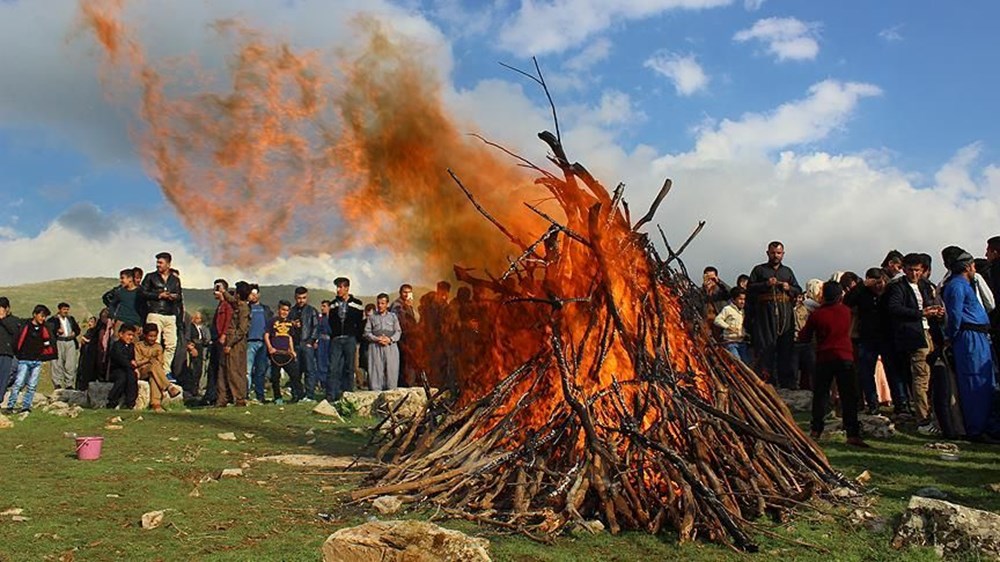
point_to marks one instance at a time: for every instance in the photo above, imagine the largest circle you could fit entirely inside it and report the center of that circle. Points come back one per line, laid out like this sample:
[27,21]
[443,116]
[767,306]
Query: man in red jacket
[35,345]
[831,325]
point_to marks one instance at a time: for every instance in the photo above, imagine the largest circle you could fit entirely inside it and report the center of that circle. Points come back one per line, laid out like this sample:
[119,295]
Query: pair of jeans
[341,377]
[27,374]
[866,356]
[739,350]
[847,384]
[257,367]
[306,356]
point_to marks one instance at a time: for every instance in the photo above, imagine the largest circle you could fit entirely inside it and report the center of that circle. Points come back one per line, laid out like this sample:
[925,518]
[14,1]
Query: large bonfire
[588,386]
[599,394]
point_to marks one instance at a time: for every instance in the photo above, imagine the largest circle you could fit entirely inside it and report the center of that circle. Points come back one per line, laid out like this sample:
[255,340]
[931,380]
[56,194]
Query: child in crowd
[35,345]
[121,359]
[281,339]
[730,320]
[831,325]
[149,366]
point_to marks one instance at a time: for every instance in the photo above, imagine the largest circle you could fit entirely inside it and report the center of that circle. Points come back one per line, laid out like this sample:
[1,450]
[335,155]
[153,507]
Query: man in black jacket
[306,319]
[161,292]
[992,276]
[347,321]
[864,302]
[66,331]
[9,328]
[910,303]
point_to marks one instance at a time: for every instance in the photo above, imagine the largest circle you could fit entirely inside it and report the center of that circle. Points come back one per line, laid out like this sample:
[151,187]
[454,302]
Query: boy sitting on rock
[149,366]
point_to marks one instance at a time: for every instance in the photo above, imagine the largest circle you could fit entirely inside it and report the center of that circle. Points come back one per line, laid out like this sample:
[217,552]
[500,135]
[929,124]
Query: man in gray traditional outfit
[382,330]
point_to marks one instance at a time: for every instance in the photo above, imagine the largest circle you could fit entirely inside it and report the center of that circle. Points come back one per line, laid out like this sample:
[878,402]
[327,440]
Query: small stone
[173,438]
[324,408]
[20,519]
[249,435]
[387,505]
[231,473]
[594,526]
[311,442]
[195,493]
[245,465]
[995,488]
[12,511]
[139,418]
[152,519]
[311,431]
[112,496]
[23,416]
[863,478]
[933,493]
[228,436]
[116,419]
[843,492]
[5,422]
[113,427]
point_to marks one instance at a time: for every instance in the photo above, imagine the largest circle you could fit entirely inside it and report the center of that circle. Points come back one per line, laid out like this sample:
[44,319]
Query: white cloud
[786,38]
[827,107]
[752,5]
[552,26]
[593,53]
[134,242]
[683,70]
[8,233]
[892,34]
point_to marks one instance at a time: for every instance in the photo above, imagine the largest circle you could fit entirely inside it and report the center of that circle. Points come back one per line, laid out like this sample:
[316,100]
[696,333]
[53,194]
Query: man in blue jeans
[35,345]
[347,321]
[306,320]
[257,363]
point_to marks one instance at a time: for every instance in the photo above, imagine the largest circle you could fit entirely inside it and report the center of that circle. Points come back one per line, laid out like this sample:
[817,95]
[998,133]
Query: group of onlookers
[933,346]
[145,333]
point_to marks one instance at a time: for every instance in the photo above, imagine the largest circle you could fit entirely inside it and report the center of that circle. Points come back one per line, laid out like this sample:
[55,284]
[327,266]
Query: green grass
[91,510]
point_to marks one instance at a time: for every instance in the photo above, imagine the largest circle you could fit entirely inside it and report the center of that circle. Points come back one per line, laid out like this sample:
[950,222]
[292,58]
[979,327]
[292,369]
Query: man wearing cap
[967,330]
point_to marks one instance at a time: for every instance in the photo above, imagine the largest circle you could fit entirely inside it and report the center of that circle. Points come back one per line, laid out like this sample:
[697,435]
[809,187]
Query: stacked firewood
[600,394]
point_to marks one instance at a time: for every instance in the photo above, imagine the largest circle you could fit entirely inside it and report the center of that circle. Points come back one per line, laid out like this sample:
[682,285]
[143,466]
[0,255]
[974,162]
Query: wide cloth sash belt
[970,327]
[771,297]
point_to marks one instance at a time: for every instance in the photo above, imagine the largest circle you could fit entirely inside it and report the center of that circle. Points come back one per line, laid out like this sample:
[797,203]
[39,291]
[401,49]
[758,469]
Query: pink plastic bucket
[89,448]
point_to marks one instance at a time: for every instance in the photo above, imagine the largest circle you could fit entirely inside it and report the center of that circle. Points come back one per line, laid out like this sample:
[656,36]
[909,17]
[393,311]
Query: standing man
[992,276]
[260,318]
[66,331]
[232,381]
[910,303]
[864,300]
[347,317]
[403,308]
[221,320]
[122,300]
[198,340]
[771,294]
[9,327]
[35,345]
[307,321]
[161,293]
[323,344]
[967,329]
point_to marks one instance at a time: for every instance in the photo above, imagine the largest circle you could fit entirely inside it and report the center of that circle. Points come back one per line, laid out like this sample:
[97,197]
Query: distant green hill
[84,295]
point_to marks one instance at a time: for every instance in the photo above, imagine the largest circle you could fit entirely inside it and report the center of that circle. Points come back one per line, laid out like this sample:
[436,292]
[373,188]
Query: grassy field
[91,510]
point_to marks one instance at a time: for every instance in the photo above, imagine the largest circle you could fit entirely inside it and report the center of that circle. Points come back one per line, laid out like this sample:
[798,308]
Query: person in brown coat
[232,382]
[149,367]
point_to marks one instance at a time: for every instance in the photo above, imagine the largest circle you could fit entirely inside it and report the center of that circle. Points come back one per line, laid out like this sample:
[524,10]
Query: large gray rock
[71,397]
[403,541]
[950,528]
[361,401]
[387,400]
[97,394]
[797,400]
[873,426]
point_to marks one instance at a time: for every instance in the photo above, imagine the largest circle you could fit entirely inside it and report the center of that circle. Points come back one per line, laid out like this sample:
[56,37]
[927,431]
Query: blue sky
[908,106]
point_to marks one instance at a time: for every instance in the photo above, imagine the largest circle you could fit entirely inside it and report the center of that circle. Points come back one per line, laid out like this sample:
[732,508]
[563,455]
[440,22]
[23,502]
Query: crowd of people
[145,333]
[893,336]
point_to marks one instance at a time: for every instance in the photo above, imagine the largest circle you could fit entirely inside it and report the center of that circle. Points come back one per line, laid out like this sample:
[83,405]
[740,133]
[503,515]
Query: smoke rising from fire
[295,152]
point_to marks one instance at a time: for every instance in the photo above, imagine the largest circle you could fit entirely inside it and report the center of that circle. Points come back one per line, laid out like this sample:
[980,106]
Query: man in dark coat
[347,321]
[771,295]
